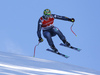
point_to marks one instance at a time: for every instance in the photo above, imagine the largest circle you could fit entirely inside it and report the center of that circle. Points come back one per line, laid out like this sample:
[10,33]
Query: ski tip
[79,49]
[67,56]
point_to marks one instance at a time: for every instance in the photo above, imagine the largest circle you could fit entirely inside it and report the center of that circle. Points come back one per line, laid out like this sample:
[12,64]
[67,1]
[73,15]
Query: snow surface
[13,64]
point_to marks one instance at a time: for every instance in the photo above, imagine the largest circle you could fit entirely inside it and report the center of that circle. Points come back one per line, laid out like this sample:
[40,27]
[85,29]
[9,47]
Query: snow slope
[12,64]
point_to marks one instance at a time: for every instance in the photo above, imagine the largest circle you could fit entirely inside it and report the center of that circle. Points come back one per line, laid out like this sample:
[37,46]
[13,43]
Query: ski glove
[72,20]
[40,40]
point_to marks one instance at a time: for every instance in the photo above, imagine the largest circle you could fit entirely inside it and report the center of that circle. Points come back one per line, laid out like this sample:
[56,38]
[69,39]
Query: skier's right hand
[40,40]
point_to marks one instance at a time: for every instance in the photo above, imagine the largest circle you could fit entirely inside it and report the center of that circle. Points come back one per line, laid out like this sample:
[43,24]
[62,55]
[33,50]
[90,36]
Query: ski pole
[35,49]
[72,30]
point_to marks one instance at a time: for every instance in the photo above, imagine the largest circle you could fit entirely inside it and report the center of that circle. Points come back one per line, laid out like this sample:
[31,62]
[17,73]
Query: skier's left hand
[72,20]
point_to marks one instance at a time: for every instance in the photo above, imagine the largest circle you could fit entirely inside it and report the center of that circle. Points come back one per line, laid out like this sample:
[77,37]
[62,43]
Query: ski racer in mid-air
[49,30]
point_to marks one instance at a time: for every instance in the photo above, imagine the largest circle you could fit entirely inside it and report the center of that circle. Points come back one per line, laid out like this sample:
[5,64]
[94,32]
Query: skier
[49,30]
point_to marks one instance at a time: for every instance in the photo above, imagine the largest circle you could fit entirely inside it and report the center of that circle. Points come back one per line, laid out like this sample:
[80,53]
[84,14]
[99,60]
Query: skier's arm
[63,18]
[39,29]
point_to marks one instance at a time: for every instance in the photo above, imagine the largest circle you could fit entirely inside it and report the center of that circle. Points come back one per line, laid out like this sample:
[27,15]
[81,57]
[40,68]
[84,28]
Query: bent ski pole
[35,49]
[72,30]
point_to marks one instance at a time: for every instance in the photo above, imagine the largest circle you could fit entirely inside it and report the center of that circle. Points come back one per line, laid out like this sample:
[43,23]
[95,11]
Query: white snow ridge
[13,64]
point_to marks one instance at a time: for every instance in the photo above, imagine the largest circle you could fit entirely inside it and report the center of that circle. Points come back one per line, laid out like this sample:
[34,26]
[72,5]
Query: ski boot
[66,43]
[54,48]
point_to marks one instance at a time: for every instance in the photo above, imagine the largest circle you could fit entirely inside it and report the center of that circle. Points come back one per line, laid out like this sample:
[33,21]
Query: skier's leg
[61,36]
[47,35]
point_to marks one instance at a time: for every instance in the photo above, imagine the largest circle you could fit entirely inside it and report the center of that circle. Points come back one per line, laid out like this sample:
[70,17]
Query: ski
[77,49]
[58,53]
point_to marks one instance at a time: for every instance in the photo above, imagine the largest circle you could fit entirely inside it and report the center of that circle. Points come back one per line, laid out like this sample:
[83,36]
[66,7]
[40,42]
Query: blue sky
[18,29]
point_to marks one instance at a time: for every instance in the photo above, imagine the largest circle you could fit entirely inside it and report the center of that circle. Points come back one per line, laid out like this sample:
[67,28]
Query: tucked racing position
[49,30]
